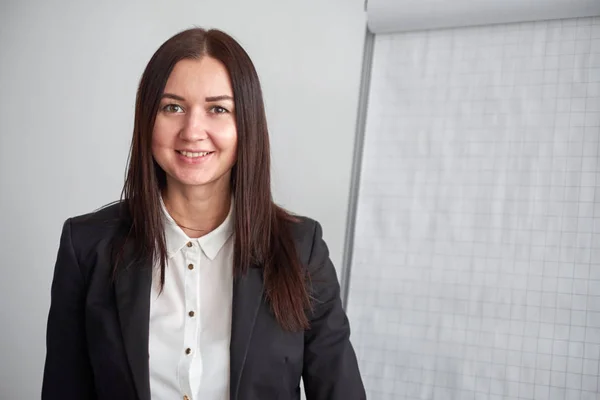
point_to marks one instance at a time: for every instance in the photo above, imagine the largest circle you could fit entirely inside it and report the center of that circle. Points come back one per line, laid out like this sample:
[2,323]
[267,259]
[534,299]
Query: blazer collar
[132,292]
[247,298]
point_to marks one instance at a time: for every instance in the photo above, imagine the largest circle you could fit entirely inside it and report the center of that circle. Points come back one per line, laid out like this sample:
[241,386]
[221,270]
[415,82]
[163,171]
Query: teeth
[193,155]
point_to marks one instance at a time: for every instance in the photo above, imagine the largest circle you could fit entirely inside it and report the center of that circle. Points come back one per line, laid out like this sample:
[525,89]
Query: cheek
[226,142]
[157,144]
[164,133]
[161,144]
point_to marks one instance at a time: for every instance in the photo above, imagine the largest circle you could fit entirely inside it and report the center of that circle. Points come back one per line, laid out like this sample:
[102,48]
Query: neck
[197,210]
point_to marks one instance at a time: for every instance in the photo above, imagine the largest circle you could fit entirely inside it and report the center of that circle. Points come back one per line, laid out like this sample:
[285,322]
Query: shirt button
[191,266]
[189,244]
[188,350]
[191,313]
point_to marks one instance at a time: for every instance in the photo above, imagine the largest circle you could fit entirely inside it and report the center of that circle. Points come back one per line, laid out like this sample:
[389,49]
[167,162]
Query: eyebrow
[172,96]
[208,99]
[218,98]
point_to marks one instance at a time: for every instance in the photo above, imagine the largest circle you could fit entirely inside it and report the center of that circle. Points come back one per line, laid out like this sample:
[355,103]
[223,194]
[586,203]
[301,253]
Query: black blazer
[97,334]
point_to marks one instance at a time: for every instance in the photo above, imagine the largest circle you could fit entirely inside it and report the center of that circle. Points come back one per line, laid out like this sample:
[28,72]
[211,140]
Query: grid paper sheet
[476,264]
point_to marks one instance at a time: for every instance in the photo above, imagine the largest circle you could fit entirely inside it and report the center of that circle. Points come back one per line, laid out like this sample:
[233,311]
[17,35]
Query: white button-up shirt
[190,321]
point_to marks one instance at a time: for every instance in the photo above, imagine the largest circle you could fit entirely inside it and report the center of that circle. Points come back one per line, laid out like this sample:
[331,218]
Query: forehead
[206,76]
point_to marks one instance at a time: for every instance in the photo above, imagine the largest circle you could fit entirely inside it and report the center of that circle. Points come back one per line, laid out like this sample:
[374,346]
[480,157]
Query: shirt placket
[190,351]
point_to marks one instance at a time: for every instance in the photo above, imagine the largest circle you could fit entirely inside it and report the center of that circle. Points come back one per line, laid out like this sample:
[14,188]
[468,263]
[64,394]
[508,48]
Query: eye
[218,110]
[172,108]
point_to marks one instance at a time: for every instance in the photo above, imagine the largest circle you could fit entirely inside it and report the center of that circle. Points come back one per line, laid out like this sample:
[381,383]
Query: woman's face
[195,137]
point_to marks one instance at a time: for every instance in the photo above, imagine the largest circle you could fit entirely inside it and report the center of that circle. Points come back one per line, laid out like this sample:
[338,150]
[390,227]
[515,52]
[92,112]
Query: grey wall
[68,75]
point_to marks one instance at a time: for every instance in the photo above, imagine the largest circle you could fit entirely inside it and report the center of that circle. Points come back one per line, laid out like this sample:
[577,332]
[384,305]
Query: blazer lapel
[132,291]
[247,297]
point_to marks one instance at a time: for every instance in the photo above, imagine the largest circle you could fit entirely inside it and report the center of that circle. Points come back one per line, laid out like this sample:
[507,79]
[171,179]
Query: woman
[196,285]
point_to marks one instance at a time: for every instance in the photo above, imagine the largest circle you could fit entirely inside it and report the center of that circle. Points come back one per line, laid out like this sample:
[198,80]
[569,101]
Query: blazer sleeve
[330,370]
[67,370]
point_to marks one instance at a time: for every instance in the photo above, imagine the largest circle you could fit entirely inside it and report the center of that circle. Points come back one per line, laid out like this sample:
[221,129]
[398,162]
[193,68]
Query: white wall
[68,75]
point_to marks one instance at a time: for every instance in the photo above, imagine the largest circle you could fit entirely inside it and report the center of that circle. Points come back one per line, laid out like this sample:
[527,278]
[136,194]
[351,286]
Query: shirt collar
[211,243]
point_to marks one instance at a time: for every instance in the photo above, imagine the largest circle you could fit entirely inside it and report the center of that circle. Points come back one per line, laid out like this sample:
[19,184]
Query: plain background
[68,75]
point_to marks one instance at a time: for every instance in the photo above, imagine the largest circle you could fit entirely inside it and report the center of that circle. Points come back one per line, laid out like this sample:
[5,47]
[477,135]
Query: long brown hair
[263,236]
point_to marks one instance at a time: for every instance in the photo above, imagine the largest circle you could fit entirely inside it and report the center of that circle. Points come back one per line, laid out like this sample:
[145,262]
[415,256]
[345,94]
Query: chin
[193,181]
[184,179]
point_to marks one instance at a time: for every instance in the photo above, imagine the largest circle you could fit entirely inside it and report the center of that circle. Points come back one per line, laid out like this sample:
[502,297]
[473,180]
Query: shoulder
[313,252]
[89,230]
[303,228]
[102,220]
[307,234]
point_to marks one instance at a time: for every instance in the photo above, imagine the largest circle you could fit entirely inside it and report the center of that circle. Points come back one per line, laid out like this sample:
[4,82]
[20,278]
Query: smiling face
[195,137]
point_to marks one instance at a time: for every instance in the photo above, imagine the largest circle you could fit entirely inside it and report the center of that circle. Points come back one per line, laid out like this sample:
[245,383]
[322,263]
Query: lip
[193,161]
[194,151]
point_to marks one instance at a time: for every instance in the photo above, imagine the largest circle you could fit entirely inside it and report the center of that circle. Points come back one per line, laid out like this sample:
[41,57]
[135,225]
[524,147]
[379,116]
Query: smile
[189,154]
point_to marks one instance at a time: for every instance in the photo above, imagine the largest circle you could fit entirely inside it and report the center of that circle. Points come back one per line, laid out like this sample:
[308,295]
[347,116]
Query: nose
[195,127]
